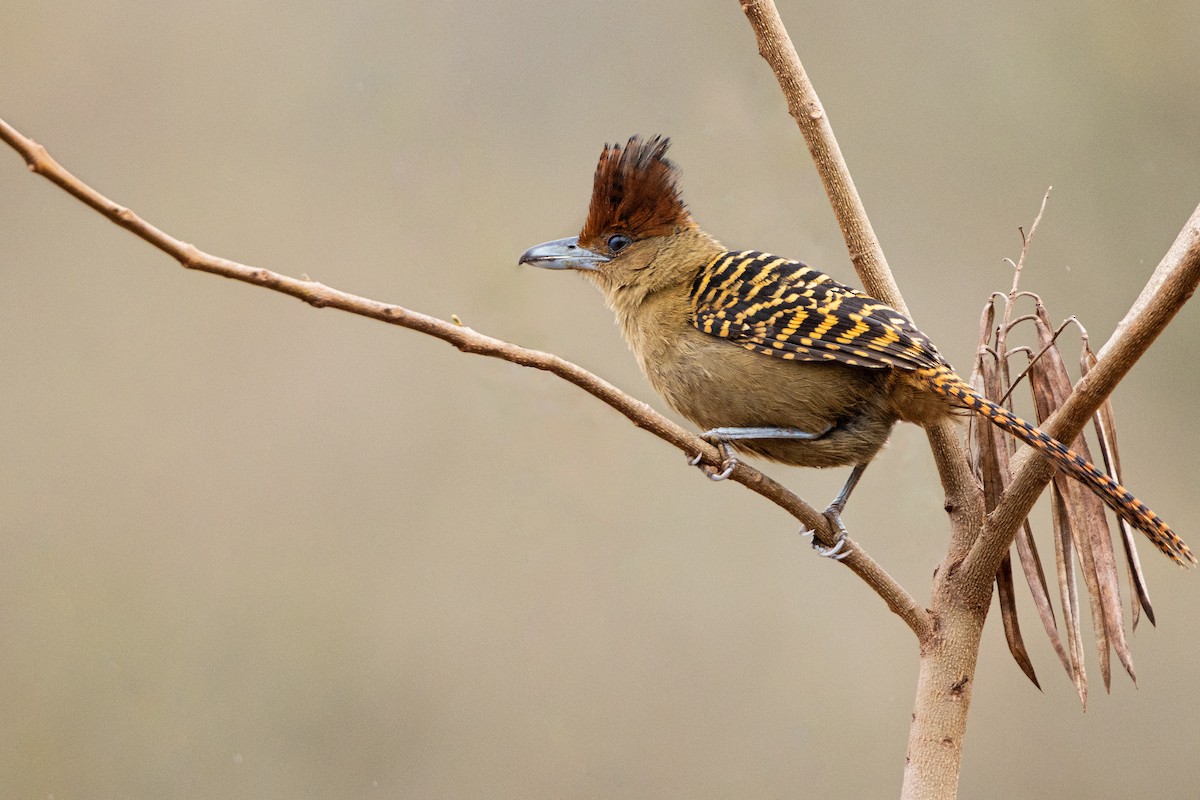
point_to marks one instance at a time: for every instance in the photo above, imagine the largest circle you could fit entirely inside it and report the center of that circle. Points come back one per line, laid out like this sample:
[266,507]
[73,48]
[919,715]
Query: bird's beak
[563,254]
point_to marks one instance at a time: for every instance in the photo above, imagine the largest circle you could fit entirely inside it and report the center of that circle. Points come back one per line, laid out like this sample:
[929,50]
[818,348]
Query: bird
[769,356]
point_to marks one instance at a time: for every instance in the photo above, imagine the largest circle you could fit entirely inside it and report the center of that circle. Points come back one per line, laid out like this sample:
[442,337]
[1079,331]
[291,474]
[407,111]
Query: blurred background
[255,550]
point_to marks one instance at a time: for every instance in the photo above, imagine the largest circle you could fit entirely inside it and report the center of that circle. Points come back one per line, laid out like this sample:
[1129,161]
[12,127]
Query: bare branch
[776,47]
[963,500]
[469,341]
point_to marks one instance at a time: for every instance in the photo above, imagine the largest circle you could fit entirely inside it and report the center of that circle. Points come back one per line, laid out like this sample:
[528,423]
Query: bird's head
[635,222]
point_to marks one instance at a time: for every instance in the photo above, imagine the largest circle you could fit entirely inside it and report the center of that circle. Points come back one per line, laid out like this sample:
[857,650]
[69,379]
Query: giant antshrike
[768,355]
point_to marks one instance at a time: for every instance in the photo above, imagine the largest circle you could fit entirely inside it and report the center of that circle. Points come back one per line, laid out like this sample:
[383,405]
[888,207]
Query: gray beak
[563,254]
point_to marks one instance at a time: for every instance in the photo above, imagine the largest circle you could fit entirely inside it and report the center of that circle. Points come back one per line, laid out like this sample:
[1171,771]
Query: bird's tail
[946,383]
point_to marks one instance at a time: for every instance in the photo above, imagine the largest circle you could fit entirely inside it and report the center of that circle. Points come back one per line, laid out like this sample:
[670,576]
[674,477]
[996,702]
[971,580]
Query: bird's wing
[786,309]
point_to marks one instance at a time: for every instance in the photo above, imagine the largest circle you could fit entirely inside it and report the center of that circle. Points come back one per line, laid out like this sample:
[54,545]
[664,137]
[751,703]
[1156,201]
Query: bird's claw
[728,463]
[837,553]
[839,550]
[727,467]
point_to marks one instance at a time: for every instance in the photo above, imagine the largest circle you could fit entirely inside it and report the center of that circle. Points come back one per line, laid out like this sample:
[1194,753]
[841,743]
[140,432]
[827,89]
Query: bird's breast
[716,383]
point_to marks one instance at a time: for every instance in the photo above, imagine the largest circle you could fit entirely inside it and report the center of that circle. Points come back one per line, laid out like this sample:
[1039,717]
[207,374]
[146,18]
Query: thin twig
[1033,359]
[1026,240]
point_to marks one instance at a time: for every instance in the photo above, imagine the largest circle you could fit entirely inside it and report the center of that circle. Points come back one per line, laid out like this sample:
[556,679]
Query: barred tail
[945,383]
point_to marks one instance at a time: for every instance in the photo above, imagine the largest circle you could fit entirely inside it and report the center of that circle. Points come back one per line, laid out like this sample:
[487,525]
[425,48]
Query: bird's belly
[716,384]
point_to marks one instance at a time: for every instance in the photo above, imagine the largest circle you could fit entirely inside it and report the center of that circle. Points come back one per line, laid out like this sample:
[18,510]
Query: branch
[776,47]
[964,502]
[469,341]
[1169,287]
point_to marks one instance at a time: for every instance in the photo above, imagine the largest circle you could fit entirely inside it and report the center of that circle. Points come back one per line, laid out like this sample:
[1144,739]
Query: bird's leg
[834,514]
[721,437]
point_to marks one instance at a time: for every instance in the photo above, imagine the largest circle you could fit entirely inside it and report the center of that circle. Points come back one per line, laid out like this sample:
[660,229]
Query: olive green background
[249,549]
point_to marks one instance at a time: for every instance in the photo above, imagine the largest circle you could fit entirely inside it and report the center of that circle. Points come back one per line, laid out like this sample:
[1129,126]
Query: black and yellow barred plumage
[786,309]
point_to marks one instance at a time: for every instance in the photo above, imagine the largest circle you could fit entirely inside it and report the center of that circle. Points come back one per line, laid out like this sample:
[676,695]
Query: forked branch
[961,596]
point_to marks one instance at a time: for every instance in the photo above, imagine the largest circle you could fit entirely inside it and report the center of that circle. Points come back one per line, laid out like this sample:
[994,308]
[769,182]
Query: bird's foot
[721,437]
[728,461]
[839,549]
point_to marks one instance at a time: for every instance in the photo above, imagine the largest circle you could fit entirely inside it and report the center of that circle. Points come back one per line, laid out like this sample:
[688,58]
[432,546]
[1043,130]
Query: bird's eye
[618,242]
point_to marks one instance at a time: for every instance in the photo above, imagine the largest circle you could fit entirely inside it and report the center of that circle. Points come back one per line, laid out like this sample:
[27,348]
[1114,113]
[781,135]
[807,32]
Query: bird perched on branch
[769,356]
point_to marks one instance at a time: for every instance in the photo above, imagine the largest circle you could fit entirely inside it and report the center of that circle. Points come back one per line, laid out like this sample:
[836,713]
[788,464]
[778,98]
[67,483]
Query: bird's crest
[635,193]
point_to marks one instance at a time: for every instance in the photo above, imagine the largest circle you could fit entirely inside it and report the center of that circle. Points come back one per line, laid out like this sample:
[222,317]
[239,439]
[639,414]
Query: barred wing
[786,309]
